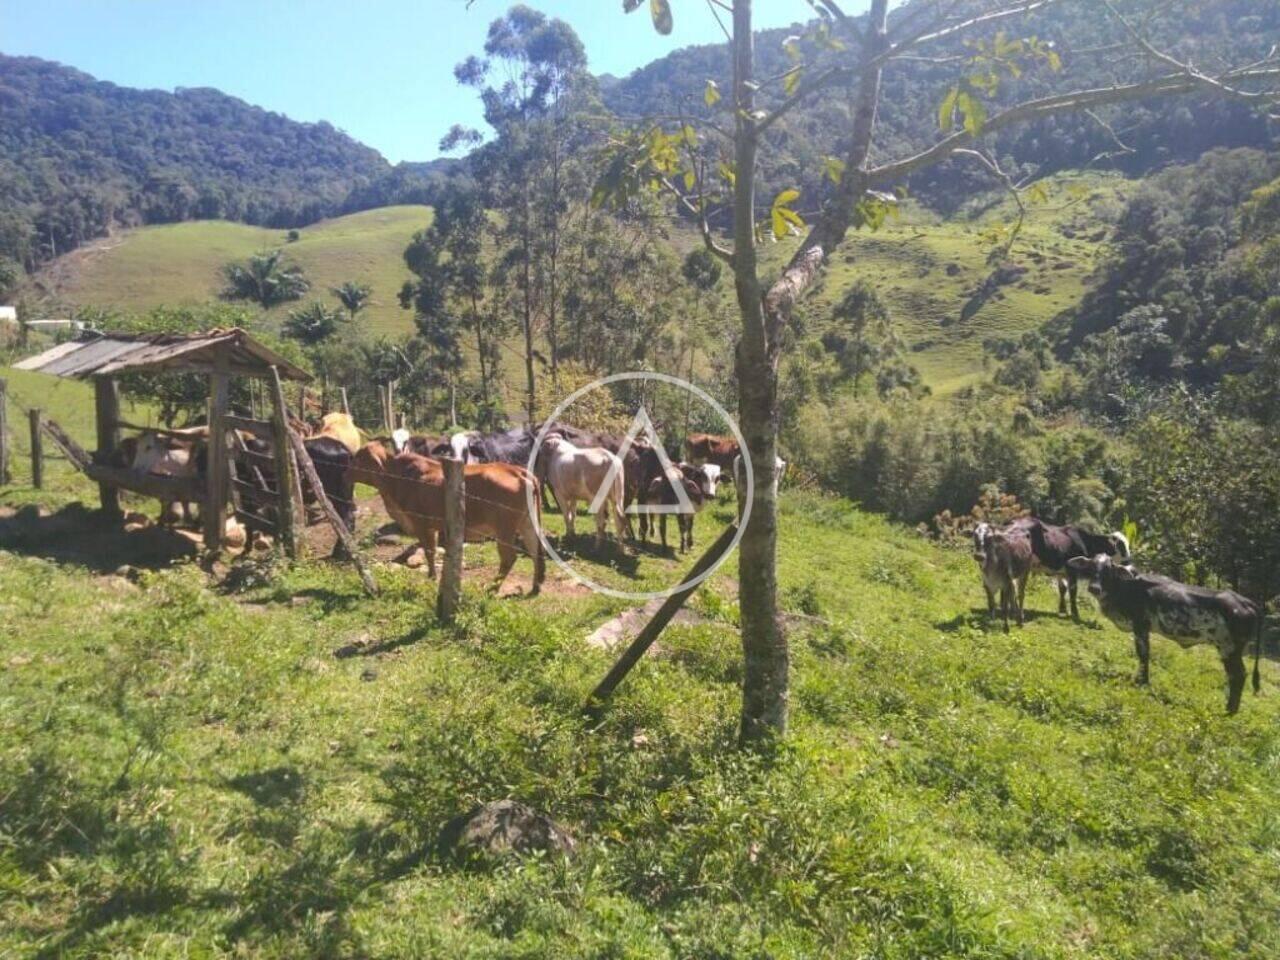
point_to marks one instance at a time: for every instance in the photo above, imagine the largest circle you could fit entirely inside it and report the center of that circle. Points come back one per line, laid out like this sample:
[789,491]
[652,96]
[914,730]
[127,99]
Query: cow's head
[1103,573]
[369,462]
[981,538]
[709,479]
[399,439]
[1119,544]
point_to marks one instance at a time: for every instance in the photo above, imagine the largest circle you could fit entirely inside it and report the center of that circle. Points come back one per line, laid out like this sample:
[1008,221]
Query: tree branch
[921,38]
[823,80]
[1168,85]
[708,238]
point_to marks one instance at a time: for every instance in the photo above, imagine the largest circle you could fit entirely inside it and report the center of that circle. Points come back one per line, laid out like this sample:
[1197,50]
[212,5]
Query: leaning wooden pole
[288,501]
[308,470]
[450,593]
[219,472]
[602,692]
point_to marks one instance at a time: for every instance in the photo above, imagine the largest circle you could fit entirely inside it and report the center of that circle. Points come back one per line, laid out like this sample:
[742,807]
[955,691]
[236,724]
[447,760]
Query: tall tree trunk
[531,385]
[766,685]
[766,659]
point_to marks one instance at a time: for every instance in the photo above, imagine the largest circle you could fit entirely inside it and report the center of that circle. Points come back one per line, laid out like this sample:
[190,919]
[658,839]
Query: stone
[504,827]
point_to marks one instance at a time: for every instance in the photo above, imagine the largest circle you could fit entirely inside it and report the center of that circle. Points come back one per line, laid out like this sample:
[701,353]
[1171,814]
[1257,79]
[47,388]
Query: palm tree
[353,296]
[267,279]
[312,324]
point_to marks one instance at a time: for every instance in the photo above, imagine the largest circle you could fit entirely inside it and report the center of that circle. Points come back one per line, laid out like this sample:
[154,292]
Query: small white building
[8,315]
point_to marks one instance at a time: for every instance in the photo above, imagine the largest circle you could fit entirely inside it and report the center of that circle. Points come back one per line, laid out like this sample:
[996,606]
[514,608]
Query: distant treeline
[80,156]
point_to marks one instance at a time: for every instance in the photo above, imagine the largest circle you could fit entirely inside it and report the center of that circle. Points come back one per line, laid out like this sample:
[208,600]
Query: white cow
[581,473]
[162,456]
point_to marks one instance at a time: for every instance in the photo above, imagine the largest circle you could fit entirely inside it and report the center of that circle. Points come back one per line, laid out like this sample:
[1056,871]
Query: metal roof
[95,354]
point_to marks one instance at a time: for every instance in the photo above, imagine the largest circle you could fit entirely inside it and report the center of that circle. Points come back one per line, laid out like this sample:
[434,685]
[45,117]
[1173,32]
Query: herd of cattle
[504,501]
[1142,603]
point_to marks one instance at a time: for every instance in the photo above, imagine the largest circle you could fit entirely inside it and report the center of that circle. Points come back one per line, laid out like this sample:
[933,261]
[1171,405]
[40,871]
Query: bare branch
[822,81]
[1027,6]
[1013,188]
[708,238]
[1168,85]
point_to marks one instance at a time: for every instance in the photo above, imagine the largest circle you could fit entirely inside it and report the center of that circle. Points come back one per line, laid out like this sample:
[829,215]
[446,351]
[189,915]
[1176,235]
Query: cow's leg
[1142,647]
[1234,664]
[621,525]
[1006,597]
[428,541]
[506,560]
[1062,595]
[1022,601]
[991,601]
[602,524]
[529,535]
[1072,584]
[662,525]
[570,512]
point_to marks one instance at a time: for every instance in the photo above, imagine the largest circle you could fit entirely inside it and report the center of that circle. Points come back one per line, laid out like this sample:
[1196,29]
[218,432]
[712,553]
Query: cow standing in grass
[1005,558]
[1054,547]
[501,504]
[1146,602]
[585,473]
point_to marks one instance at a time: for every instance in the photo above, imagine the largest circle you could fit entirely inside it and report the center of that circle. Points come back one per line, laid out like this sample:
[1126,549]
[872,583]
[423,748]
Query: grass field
[180,263]
[264,771]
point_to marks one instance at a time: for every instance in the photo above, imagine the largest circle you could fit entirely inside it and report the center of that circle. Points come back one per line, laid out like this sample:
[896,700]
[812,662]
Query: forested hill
[1156,133]
[79,155]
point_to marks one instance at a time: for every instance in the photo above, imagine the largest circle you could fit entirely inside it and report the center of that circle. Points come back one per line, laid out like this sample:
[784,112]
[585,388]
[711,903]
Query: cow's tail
[1257,652]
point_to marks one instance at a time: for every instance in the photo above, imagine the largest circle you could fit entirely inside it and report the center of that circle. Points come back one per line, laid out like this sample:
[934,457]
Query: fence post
[37,449]
[5,475]
[346,407]
[106,404]
[454,526]
[286,484]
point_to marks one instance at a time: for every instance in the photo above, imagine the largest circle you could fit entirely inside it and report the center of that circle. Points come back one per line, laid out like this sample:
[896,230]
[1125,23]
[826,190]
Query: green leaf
[660,10]
[791,46]
[780,228]
[834,168]
[690,178]
[975,114]
[726,171]
[711,95]
[791,80]
[786,197]
[947,112]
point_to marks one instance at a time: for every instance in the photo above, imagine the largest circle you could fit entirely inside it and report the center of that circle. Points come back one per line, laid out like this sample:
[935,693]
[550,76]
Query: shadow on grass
[76,534]
[978,617]
[609,554]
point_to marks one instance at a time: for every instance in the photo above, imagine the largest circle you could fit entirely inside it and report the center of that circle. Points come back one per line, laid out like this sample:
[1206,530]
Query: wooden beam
[176,489]
[450,592]
[37,448]
[288,493]
[218,470]
[106,398]
[309,471]
[6,476]
[259,428]
[595,703]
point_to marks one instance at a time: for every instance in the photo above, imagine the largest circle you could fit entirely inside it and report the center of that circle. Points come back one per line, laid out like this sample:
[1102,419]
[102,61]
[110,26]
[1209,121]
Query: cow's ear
[1080,565]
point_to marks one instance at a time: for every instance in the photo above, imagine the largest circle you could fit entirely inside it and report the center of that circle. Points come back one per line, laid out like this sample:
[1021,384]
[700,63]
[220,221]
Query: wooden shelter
[219,354]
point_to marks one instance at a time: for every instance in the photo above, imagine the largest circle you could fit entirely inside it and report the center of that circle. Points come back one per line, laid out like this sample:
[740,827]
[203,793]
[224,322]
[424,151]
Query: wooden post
[5,475]
[37,449]
[215,510]
[455,508]
[595,703]
[308,470]
[106,398]
[302,402]
[289,505]
[346,407]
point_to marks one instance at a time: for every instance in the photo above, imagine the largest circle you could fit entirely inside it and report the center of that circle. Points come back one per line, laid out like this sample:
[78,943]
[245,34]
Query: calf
[1054,547]
[169,456]
[501,504]
[1005,559]
[340,427]
[585,473]
[661,492]
[1147,602]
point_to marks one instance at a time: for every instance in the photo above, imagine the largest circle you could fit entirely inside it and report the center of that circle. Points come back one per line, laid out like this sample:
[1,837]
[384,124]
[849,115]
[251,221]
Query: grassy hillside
[265,772]
[180,263]
[928,271]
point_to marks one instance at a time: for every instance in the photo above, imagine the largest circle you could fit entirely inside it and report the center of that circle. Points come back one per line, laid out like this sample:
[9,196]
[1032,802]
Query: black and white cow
[1054,547]
[1147,603]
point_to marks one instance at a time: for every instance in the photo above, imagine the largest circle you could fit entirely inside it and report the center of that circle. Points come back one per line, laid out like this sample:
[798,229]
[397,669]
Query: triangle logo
[642,424]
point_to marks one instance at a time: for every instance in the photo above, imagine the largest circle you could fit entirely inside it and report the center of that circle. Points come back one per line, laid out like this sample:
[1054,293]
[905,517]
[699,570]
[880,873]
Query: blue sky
[382,70]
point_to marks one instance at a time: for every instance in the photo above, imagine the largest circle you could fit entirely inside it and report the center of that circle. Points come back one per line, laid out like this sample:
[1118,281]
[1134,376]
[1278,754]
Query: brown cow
[707,448]
[498,498]
[1005,558]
